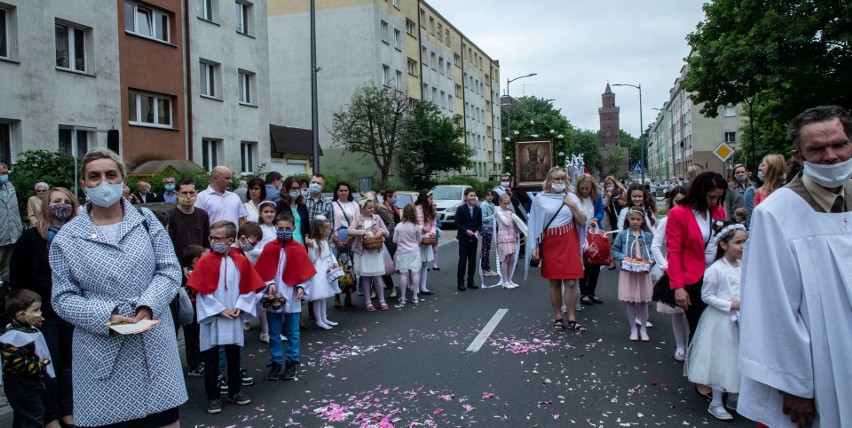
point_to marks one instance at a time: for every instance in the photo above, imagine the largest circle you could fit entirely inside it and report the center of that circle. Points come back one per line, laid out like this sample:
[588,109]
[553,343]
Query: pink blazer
[685,247]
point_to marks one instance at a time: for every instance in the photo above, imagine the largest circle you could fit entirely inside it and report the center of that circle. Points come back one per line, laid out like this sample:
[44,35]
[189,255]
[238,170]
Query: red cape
[205,277]
[298,268]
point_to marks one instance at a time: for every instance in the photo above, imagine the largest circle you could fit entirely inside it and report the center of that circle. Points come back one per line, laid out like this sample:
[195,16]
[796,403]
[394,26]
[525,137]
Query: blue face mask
[105,195]
[760,176]
[4,178]
[393,201]
[170,187]
[284,234]
[315,188]
[219,247]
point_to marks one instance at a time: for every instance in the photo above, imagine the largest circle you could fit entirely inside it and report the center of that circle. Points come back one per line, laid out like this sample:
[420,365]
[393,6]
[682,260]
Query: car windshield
[403,199]
[447,194]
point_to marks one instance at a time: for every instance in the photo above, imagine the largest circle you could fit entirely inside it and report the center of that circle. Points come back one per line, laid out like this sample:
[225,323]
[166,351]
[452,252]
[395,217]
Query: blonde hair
[547,186]
[693,172]
[43,217]
[102,153]
[773,173]
[409,214]
[587,178]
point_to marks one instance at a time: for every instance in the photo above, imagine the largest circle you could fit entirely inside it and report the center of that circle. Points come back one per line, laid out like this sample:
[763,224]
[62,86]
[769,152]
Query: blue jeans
[291,330]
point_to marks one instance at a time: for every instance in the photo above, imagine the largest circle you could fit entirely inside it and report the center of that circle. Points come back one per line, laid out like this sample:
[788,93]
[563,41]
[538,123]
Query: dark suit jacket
[464,222]
[302,209]
[151,197]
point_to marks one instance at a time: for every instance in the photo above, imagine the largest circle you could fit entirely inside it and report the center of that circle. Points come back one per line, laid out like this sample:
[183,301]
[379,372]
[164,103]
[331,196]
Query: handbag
[347,280]
[536,262]
[598,251]
[374,242]
[390,269]
[663,292]
[429,240]
[185,312]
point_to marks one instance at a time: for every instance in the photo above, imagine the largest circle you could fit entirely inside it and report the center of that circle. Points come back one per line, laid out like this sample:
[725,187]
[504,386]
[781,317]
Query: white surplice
[215,329]
[796,313]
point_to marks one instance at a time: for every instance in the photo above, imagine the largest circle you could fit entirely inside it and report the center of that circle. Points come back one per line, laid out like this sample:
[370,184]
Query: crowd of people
[80,272]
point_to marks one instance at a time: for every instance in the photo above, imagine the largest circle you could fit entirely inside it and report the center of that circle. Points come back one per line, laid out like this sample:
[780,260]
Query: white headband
[320,217]
[730,229]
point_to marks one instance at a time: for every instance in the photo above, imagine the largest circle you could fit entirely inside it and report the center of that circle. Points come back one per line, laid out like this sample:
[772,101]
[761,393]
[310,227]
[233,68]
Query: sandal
[384,306]
[558,325]
[576,327]
[370,308]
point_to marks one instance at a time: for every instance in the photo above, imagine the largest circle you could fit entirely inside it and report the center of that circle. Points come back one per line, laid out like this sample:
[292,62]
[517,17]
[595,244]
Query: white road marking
[486,331]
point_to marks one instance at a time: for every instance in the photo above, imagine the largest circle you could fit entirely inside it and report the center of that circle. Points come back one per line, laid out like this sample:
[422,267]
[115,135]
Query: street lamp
[509,96]
[641,128]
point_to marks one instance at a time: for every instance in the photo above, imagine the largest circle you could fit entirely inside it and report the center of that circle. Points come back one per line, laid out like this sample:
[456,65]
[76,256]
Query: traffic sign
[723,151]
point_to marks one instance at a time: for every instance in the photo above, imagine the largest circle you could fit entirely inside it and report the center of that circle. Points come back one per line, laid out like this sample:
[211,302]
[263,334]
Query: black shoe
[462,288]
[289,370]
[427,293]
[436,268]
[245,378]
[473,287]
[239,398]
[274,372]
[214,406]
[223,386]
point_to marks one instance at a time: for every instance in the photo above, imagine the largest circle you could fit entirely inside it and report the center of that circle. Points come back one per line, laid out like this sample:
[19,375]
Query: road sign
[723,151]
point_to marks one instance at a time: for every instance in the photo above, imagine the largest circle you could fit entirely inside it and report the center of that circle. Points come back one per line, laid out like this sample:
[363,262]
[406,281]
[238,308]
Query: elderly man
[34,202]
[170,194]
[796,321]
[10,220]
[220,203]
[143,193]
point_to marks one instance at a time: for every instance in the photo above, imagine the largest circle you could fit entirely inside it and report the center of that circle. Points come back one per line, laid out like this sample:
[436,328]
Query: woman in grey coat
[113,263]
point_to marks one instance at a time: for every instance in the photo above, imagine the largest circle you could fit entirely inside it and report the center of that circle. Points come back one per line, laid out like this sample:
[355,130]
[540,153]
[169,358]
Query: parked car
[404,198]
[447,198]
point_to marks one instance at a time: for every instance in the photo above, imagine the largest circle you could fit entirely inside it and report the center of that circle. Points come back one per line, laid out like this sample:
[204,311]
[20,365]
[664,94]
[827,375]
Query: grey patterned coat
[118,378]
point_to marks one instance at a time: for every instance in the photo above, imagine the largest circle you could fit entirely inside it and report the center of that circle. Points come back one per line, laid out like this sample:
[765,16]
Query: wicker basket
[429,240]
[373,243]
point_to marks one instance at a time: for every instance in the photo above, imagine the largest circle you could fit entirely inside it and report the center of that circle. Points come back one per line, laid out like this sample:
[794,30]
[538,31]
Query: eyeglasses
[218,238]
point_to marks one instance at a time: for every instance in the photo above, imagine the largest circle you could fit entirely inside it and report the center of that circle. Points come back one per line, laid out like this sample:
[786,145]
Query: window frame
[73,33]
[411,67]
[210,82]
[7,142]
[730,134]
[397,39]
[6,36]
[729,111]
[399,80]
[247,87]
[156,14]
[243,17]
[207,10]
[383,31]
[207,162]
[137,109]
[248,150]
[386,75]
[74,133]
[410,27]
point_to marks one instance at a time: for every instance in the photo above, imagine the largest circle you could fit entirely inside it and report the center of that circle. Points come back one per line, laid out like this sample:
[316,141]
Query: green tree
[433,142]
[778,57]
[54,168]
[371,124]
[614,160]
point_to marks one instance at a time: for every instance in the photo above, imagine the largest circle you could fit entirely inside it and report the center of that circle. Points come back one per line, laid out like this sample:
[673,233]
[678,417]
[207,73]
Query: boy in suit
[468,221]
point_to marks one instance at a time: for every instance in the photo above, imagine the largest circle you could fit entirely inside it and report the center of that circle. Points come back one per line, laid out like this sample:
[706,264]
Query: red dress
[561,258]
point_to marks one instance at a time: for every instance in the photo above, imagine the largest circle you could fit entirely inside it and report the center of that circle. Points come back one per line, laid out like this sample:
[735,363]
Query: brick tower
[609,136]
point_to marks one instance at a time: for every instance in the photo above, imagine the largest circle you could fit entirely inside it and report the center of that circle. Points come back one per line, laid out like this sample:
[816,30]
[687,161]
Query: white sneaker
[331,323]
[283,338]
[415,300]
[718,411]
[264,337]
[504,285]
[514,284]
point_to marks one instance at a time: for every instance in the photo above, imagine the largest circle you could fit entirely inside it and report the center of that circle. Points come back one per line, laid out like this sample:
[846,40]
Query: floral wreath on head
[729,229]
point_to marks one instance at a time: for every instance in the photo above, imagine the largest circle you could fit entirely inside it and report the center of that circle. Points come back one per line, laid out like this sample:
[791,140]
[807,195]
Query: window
[433,60]
[440,31]
[149,110]
[209,79]
[400,84]
[450,102]
[432,25]
[146,22]
[243,15]
[385,75]
[69,137]
[458,91]
[247,151]
[730,137]
[410,27]
[247,87]
[456,59]
[6,143]
[71,47]
[207,9]
[385,32]
[210,153]
[730,111]
[397,39]
[449,70]
[424,56]
[7,32]
[447,38]
[441,65]
[412,67]
[396,4]
[435,98]
[442,100]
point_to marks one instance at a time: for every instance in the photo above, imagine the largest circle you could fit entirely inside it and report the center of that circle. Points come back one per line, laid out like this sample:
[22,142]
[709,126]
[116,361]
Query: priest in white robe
[795,356]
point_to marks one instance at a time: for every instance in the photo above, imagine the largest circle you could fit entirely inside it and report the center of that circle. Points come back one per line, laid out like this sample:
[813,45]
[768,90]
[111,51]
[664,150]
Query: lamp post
[509,96]
[641,129]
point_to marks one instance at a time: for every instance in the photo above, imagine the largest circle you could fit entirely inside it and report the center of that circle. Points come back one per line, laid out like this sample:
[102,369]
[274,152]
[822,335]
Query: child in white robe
[712,356]
[323,284]
[226,285]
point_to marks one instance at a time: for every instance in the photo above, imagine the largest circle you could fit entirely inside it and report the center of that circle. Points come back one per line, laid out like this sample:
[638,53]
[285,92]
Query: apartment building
[659,146]
[405,45]
[179,79]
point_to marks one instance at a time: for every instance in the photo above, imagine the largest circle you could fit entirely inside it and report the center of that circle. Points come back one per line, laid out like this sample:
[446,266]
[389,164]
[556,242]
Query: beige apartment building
[402,44]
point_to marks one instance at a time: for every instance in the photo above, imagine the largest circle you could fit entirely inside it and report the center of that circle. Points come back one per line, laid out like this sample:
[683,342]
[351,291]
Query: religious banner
[533,159]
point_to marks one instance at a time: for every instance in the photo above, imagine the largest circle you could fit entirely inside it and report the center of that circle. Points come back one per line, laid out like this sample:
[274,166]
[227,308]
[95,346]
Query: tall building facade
[70,74]
[404,45]
[613,156]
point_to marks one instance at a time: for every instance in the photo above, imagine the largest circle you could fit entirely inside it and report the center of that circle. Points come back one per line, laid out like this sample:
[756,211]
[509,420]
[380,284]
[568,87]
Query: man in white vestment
[795,356]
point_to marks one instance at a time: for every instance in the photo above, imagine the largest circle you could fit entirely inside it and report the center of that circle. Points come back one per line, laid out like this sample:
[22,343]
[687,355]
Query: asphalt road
[412,367]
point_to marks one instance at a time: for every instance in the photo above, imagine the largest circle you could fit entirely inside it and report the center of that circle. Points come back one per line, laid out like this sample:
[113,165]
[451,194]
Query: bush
[479,186]
[33,166]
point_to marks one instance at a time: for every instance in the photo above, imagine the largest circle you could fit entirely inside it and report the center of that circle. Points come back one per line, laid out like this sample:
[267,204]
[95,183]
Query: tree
[433,142]
[778,57]
[614,160]
[371,124]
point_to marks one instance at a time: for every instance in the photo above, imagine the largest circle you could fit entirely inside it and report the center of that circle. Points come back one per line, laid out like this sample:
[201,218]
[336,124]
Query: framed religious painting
[533,159]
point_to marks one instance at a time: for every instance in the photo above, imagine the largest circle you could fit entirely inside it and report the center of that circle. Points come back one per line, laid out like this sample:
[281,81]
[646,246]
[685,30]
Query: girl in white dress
[712,356]
[267,226]
[508,228]
[680,326]
[369,263]
[407,235]
[324,283]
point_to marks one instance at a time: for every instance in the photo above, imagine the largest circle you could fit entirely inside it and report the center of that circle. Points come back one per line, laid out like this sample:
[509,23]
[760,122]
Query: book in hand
[121,327]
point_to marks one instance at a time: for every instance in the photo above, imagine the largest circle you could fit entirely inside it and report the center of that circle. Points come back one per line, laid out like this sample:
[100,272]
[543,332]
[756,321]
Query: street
[413,367]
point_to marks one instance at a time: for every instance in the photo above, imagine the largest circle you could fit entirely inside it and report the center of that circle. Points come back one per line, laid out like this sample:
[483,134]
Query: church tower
[609,137]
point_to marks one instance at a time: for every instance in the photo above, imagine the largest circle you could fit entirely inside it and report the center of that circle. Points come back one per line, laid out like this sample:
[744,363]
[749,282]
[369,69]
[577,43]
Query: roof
[157,166]
[291,141]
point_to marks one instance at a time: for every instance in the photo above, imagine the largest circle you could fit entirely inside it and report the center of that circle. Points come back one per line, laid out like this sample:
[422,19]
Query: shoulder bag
[536,262]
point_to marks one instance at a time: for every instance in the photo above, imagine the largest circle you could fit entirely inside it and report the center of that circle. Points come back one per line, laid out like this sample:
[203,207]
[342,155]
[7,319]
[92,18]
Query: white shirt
[217,330]
[225,206]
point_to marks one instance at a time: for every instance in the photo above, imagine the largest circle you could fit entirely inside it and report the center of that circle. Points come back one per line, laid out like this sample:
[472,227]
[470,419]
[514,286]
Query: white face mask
[504,184]
[558,187]
[105,194]
[829,176]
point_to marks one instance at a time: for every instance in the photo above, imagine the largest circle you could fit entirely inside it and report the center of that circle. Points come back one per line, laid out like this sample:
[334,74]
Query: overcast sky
[576,47]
